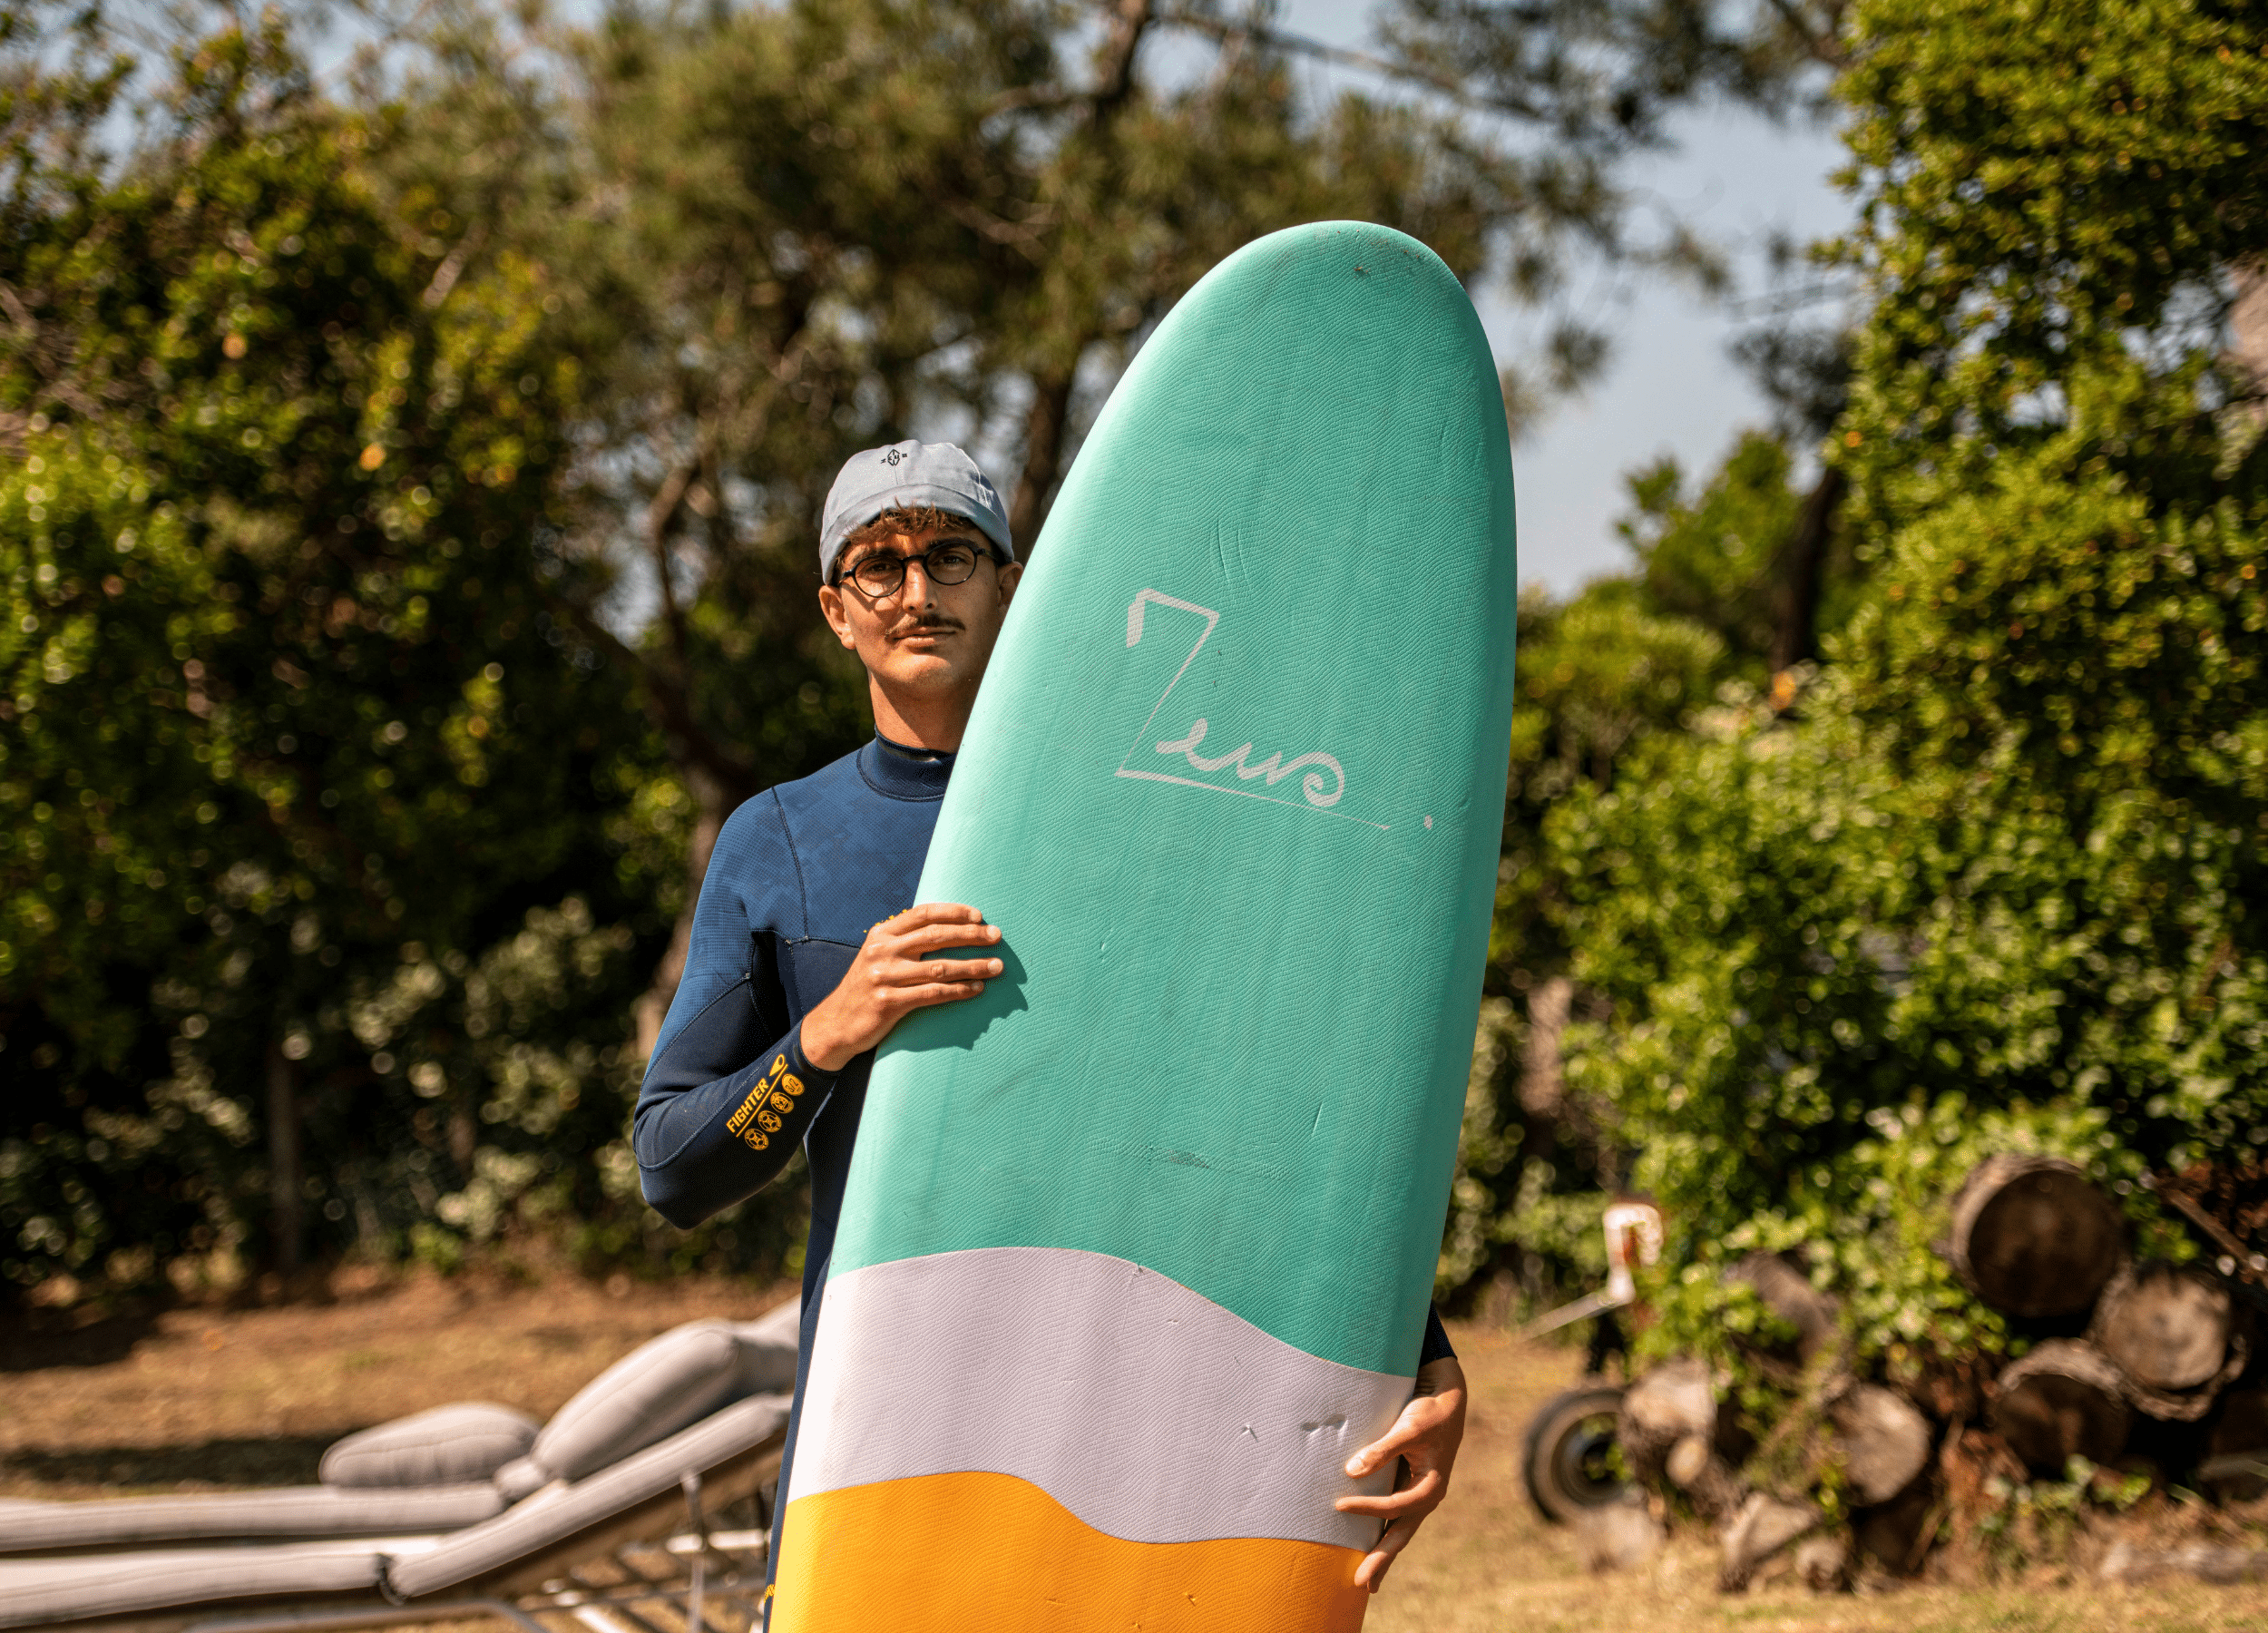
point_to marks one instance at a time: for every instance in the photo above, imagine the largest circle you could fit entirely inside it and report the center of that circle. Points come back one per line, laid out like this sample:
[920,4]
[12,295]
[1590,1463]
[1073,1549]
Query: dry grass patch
[213,1397]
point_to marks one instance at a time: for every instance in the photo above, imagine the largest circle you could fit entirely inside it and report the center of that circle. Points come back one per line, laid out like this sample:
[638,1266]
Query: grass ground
[202,1398]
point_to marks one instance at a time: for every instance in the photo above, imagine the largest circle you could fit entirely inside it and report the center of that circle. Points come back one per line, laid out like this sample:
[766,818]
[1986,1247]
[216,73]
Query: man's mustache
[924,626]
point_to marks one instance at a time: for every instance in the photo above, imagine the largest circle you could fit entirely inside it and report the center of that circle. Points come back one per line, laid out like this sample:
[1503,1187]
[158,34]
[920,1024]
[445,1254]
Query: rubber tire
[1562,1437]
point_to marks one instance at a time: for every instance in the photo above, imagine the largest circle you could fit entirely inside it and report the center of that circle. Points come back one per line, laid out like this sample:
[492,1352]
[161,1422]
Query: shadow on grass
[32,1340]
[282,1460]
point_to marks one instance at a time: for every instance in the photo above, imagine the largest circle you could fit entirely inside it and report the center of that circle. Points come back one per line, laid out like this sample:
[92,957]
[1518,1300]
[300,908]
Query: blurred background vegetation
[412,429]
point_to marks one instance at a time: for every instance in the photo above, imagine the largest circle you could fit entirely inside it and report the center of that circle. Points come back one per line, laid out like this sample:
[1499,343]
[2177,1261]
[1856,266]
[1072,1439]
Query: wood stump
[1885,1440]
[1673,1403]
[1823,1564]
[2176,1333]
[2064,1400]
[1764,1526]
[2034,1237]
[1788,1293]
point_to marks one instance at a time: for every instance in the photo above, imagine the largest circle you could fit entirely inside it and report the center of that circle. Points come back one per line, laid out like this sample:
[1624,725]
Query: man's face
[925,640]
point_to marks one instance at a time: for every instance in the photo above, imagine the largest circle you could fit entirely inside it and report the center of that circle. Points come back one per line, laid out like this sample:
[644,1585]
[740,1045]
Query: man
[807,948]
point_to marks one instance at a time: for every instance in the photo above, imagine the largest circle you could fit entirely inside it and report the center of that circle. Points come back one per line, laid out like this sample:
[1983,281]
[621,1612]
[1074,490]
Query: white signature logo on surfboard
[1320,792]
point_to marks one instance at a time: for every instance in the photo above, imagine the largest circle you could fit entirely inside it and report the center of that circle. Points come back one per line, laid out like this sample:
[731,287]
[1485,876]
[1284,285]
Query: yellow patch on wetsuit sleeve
[763,1104]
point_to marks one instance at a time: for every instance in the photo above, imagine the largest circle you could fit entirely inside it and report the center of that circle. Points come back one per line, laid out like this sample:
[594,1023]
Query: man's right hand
[890,978]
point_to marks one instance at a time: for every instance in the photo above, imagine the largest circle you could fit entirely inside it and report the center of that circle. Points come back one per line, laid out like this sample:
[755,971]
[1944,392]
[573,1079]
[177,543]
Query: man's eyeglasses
[947,561]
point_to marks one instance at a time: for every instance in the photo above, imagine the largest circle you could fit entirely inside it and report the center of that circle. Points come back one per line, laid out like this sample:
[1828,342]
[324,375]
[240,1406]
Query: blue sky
[1669,387]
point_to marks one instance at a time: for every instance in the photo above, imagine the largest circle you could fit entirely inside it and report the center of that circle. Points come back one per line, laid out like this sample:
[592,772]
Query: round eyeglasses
[947,561]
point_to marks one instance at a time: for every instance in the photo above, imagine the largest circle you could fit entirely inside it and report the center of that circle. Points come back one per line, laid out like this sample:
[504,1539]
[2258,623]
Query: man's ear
[838,618]
[1010,577]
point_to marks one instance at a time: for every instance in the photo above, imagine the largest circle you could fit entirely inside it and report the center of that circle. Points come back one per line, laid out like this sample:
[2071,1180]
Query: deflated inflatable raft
[1137,1245]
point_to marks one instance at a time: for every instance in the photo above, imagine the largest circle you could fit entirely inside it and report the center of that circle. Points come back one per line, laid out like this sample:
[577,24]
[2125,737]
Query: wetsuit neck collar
[903,772]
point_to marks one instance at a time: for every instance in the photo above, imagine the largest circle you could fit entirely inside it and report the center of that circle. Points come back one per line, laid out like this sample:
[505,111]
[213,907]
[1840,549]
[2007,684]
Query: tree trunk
[1764,1526]
[712,806]
[2248,325]
[1044,429]
[1788,1293]
[2062,1401]
[2033,1236]
[2177,1335]
[1542,1088]
[1796,636]
[1885,1440]
[284,1178]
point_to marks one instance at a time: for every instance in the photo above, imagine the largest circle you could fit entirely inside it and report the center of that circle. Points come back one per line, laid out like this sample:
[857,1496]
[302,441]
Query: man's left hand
[1425,1439]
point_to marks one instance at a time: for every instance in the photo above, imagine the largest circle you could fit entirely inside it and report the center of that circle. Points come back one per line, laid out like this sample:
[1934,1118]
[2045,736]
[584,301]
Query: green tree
[2001,869]
[282,696]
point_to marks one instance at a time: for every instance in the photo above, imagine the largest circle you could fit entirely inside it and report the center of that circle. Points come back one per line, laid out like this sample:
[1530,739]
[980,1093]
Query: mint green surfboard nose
[1234,793]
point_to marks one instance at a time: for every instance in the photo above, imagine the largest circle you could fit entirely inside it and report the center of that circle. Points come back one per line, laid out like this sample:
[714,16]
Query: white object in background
[1634,1232]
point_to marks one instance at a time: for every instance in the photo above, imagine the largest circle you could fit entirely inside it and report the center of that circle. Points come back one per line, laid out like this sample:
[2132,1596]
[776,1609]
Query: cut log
[1823,1564]
[2064,1400]
[1764,1526]
[1788,1293]
[1694,1468]
[2034,1237]
[1675,1401]
[2176,1333]
[1885,1440]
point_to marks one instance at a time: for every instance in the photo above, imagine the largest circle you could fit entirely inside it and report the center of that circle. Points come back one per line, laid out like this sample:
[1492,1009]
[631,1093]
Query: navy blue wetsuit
[798,877]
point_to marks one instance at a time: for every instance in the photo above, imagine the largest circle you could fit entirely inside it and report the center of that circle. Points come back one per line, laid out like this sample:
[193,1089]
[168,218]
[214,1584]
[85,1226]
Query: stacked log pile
[2144,1366]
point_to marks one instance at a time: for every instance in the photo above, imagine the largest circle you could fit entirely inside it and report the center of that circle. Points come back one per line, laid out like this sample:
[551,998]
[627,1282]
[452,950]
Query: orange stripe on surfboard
[954,1552]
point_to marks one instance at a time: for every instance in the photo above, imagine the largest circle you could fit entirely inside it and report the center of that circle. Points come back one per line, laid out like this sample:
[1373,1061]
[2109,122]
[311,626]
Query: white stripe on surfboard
[1147,1409]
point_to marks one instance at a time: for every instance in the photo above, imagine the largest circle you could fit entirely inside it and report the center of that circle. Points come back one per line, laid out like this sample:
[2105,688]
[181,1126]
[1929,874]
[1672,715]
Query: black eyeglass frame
[977,552]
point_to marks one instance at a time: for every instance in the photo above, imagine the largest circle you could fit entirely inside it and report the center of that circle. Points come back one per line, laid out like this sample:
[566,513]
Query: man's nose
[910,596]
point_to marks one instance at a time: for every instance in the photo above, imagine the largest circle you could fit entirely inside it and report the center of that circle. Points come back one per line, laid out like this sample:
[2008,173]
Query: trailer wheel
[1567,1457]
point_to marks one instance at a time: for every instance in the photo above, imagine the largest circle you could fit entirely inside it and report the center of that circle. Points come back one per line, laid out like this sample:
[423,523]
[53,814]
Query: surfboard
[1137,1245]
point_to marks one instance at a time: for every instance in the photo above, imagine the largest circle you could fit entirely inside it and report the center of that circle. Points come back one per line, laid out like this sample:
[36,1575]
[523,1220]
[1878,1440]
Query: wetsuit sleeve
[1436,1345]
[728,1092]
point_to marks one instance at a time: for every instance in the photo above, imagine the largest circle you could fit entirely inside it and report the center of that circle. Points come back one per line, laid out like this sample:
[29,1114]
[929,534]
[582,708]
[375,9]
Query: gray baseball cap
[909,476]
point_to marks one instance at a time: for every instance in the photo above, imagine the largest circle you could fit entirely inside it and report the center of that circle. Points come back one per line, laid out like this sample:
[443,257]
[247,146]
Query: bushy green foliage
[1994,884]
[1867,1227]
[1626,660]
[281,687]
[1708,558]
